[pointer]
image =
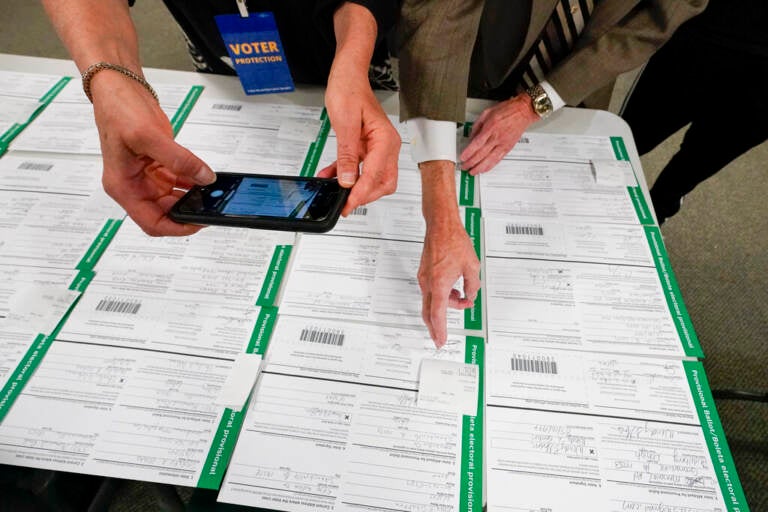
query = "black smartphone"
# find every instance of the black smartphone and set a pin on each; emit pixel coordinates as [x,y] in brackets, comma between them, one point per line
[264,201]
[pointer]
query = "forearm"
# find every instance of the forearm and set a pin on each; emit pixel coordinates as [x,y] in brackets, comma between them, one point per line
[448,253]
[96,30]
[436,38]
[355,30]
[438,188]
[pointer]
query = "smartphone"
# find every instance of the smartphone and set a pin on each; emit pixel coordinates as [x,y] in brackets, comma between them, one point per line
[264,201]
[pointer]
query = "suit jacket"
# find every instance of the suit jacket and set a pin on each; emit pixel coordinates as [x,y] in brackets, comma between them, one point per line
[436,39]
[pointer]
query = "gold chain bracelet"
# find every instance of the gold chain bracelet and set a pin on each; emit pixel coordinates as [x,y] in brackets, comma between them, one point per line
[99,66]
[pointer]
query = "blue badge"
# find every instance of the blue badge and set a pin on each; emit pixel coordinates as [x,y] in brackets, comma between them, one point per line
[254,46]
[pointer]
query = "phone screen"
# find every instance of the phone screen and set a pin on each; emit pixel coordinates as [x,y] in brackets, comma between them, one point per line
[277,197]
[269,197]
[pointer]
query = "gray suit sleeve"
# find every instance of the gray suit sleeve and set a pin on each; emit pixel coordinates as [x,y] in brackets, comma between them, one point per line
[620,44]
[435,42]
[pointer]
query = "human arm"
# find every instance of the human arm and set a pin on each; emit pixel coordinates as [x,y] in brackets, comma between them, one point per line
[498,128]
[363,131]
[448,252]
[436,38]
[618,38]
[143,167]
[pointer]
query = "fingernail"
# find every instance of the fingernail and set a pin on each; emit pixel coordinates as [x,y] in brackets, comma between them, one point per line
[205,176]
[347,178]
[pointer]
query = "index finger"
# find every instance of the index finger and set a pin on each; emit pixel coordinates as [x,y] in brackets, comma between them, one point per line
[438,314]
[329,171]
[477,126]
[151,216]
[176,158]
[476,145]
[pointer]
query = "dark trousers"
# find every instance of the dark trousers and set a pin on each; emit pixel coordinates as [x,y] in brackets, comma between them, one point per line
[721,91]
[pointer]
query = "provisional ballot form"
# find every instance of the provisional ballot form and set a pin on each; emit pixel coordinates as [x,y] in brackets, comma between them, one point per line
[127,413]
[585,306]
[195,295]
[336,424]
[250,138]
[361,279]
[574,260]
[118,412]
[22,97]
[641,434]
[594,400]
[67,125]
[133,380]
[32,303]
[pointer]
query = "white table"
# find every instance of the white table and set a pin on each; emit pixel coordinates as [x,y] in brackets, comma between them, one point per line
[575,121]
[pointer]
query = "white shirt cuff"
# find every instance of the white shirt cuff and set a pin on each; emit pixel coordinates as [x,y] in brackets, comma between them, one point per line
[432,140]
[557,101]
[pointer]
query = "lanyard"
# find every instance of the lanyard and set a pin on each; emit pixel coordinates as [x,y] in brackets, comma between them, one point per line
[243,8]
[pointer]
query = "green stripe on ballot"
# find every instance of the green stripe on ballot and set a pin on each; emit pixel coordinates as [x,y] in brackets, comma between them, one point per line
[316,148]
[473,317]
[466,189]
[619,149]
[228,430]
[185,108]
[221,449]
[471,480]
[262,331]
[722,460]
[99,245]
[274,276]
[672,294]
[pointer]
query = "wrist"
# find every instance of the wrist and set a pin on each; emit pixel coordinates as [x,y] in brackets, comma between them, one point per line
[105,68]
[109,85]
[440,207]
[522,103]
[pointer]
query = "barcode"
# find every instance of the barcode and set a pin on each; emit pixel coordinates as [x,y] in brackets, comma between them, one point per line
[360,210]
[539,364]
[32,166]
[525,229]
[225,106]
[325,337]
[119,306]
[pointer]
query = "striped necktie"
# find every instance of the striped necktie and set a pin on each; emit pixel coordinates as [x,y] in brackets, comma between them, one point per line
[556,41]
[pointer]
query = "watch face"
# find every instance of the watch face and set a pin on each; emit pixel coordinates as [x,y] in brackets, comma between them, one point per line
[542,105]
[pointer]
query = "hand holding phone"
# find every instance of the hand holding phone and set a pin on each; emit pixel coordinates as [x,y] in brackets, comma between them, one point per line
[263,201]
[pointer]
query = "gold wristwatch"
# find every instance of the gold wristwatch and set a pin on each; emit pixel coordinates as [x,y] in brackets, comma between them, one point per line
[540,101]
